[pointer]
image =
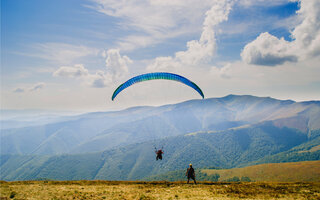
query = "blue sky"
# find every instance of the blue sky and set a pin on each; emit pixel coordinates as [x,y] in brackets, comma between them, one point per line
[71,55]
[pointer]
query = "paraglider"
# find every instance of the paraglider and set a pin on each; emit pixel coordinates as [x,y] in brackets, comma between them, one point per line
[154,76]
[159,153]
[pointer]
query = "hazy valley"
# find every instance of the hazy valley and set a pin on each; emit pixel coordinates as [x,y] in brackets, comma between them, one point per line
[227,132]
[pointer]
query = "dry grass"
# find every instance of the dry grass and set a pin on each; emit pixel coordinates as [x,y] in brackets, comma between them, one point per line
[156,190]
[274,172]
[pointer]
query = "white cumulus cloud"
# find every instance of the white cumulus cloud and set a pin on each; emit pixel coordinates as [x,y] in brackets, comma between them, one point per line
[116,68]
[75,71]
[268,50]
[153,21]
[99,80]
[116,64]
[198,51]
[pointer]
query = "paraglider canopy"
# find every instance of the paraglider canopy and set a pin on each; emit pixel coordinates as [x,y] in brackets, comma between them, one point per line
[154,76]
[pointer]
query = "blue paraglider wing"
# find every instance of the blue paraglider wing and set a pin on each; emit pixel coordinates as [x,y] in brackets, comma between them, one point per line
[154,76]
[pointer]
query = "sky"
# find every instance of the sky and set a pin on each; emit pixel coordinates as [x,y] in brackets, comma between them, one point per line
[71,55]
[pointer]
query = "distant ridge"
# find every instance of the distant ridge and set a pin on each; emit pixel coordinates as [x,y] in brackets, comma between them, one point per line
[236,131]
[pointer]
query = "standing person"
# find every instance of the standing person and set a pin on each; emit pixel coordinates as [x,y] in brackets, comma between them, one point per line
[191,174]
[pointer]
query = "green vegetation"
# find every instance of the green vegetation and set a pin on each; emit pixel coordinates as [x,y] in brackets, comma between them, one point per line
[299,153]
[262,143]
[277,172]
[179,175]
[237,179]
[233,131]
[205,177]
[233,179]
[245,179]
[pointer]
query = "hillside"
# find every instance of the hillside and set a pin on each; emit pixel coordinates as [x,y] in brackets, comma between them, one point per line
[306,151]
[228,132]
[262,143]
[93,132]
[273,172]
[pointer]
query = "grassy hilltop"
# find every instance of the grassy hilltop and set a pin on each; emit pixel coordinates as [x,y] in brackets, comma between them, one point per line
[297,180]
[156,190]
[277,172]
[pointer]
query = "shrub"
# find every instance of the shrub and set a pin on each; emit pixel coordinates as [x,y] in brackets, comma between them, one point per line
[233,179]
[12,194]
[245,179]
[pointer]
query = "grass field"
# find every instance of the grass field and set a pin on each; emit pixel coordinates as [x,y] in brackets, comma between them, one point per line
[274,172]
[156,190]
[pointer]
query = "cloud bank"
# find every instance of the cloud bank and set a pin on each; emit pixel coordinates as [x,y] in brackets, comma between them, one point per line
[198,51]
[61,52]
[268,50]
[116,67]
[76,71]
[153,21]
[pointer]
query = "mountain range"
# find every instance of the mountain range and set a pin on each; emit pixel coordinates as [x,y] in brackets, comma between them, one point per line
[227,132]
